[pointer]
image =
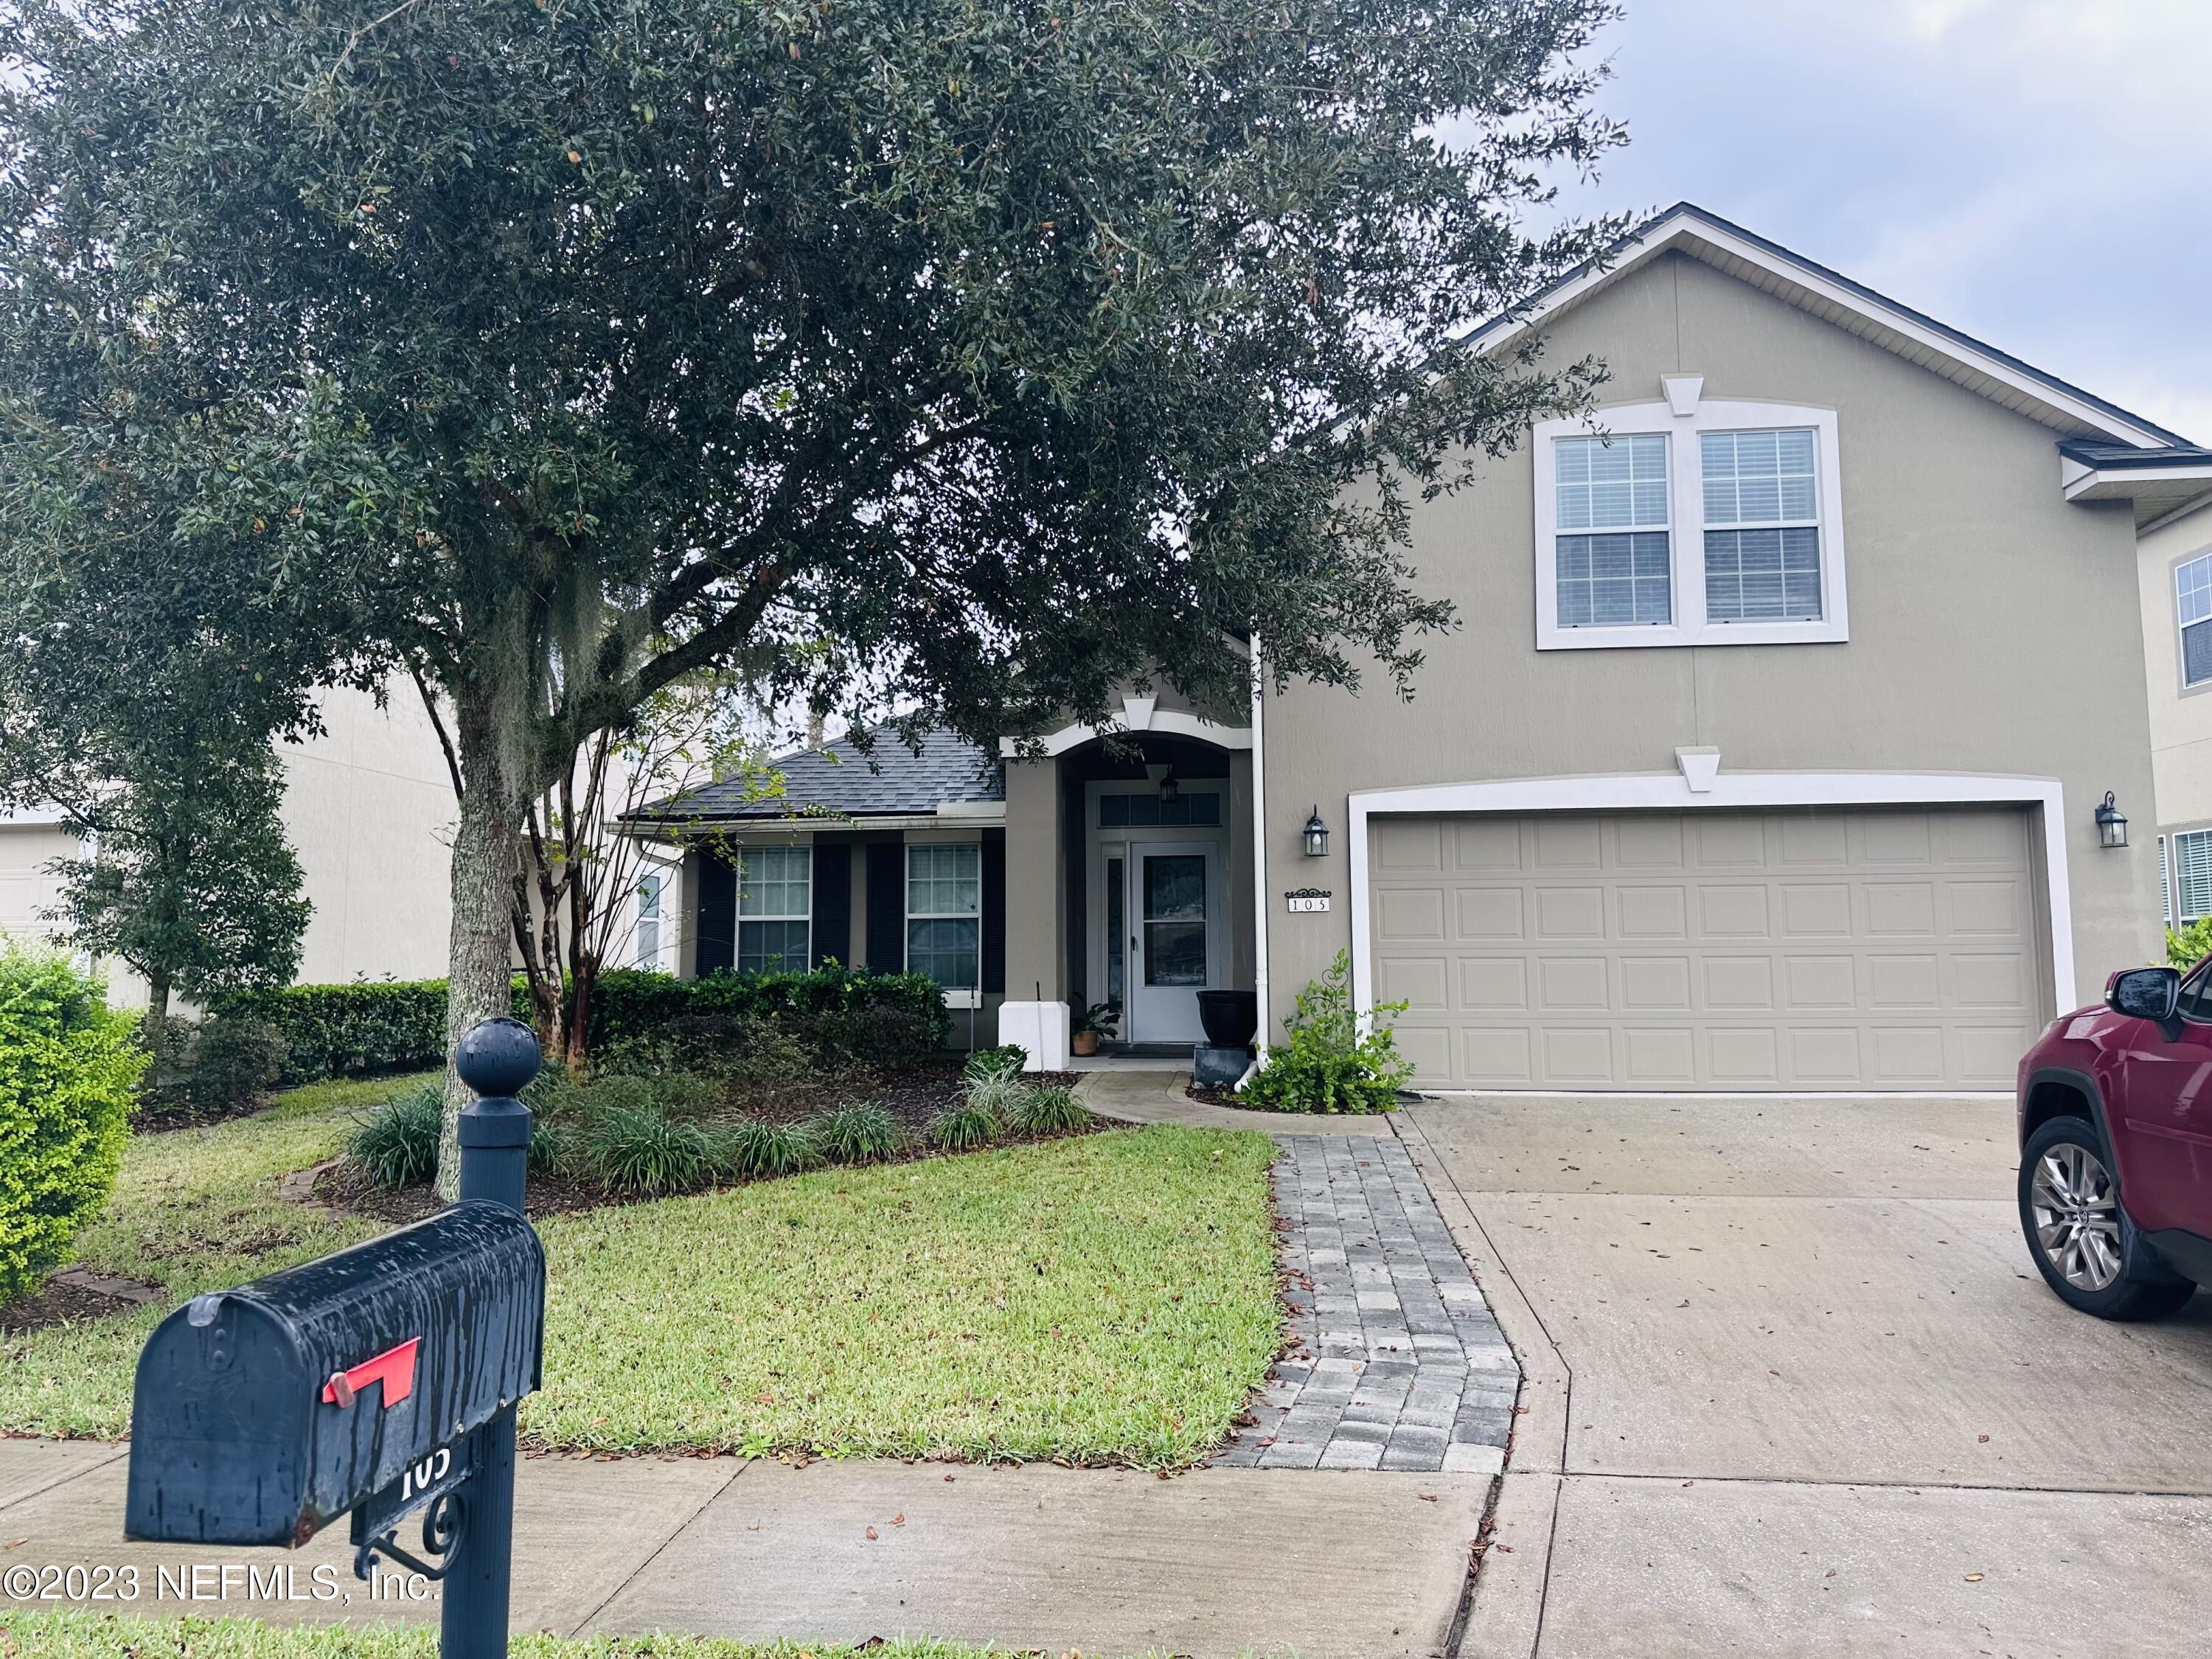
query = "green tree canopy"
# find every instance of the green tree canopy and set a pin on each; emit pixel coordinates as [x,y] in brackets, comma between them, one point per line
[555,348]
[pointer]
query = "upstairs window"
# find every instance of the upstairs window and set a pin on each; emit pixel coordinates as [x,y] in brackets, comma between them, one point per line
[2192,598]
[2190,879]
[1613,566]
[775,909]
[944,914]
[1771,574]
[1693,521]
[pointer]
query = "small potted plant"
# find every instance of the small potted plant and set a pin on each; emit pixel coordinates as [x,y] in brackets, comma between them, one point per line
[1100,1019]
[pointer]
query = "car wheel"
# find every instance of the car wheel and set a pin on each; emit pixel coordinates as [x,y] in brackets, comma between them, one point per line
[2087,1251]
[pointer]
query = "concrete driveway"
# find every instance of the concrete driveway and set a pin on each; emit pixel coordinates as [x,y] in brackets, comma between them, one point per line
[1794,1388]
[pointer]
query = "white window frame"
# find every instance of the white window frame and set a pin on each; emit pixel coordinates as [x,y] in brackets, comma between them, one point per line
[1681,419]
[2175,863]
[2183,623]
[738,944]
[956,996]
[651,892]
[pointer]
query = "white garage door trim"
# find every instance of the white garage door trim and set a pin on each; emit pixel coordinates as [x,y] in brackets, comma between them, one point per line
[1671,791]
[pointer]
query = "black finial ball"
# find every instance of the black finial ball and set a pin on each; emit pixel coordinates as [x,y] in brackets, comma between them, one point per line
[497,1057]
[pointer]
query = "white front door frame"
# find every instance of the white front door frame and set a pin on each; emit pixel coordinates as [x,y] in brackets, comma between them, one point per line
[1130,842]
[1672,790]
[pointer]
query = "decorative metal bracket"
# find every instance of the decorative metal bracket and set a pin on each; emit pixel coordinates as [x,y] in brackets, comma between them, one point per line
[441,1531]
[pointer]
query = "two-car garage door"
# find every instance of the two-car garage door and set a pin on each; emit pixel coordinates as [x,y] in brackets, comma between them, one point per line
[1813,949]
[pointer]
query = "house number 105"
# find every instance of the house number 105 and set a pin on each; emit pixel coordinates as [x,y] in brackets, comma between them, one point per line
[1307,901]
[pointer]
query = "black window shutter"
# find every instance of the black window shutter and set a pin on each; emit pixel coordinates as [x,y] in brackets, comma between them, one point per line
[718,914]
[833,902]
[886,926]
[994,910]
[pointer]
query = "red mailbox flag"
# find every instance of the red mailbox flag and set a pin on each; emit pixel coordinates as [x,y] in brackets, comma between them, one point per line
[394,1368]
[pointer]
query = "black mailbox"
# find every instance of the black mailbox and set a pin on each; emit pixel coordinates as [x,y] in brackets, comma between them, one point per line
[264,1412]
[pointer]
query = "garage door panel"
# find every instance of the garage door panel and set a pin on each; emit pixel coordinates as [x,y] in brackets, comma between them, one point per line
[1794,949]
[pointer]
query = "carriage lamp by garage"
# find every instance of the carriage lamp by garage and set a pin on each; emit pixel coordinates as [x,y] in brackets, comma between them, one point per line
[1169,789]
[1316,834]
[2112,823]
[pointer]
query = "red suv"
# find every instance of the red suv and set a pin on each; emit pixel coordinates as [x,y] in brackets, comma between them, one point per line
[2115,1146]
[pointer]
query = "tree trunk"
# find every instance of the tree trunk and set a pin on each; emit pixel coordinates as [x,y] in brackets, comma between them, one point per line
[486,844]
[156,1025]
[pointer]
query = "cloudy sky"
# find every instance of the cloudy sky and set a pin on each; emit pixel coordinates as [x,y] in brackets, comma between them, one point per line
[2037,172]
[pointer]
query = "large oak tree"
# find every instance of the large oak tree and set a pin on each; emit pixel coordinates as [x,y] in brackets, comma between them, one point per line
[552,349]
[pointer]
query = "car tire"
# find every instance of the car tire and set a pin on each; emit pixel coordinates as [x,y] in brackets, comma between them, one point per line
[2093,1258]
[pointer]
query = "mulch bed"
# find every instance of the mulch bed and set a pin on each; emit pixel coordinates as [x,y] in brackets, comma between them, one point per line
[151,1120]
[56,1304]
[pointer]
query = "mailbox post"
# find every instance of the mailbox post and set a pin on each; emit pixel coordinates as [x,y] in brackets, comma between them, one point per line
[497,1059]
[379,1382]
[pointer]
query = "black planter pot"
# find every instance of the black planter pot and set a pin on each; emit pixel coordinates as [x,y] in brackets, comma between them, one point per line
[1231,1018]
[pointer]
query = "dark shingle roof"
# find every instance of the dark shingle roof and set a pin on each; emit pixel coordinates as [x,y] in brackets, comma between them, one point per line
[893,781]
[2095,453]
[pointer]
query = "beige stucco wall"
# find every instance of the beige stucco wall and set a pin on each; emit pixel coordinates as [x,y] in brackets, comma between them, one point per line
[1993,627]
[369,810]
[2181,720]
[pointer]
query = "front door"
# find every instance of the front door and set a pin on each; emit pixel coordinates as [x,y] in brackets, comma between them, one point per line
[1172,939]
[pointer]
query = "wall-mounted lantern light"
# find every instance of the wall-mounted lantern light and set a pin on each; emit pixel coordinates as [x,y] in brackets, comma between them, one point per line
[1316,834]
[2112,823]
[1169,789]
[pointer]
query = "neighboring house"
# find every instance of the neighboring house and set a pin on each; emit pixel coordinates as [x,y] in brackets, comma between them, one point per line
[369,811]
[1765,756]
[2174,560]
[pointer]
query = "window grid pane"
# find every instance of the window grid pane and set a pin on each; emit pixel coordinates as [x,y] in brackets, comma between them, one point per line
[945,881]
[2193,876]
[1759,477]
[1763,575]
[1115,811]
[766,947]
[776,882]
[1614,582]
[1606,484]
[2192,589]
[944,948]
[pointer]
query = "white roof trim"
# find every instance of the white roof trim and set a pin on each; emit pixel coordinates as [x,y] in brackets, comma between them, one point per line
[1849,307]
[1162,722]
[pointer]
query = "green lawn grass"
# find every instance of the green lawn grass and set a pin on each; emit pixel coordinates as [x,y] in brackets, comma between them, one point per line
[75,1635]
[193,1210]
[1106,1297]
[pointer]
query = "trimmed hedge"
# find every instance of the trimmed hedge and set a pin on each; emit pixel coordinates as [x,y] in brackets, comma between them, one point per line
[392,1025]
[368,1027]
[67,1065]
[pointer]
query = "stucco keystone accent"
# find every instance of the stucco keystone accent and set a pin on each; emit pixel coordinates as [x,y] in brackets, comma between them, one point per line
[1699,768]
[1136,713]
[1683,391]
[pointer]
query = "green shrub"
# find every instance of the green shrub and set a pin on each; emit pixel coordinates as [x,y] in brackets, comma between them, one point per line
[642,1151]
[987,1065]
[856,1134]
[397,1143]
[552,1147]
[885,1037]
[68,1064]
[686,1094]
[228,1060]
[957,1128]
[635,1002]
[1328,1065]
[1047,1111]
[2190,946]
[771,1149]
[351,1030]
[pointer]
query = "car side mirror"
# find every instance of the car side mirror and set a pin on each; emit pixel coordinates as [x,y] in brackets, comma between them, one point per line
[2145,994]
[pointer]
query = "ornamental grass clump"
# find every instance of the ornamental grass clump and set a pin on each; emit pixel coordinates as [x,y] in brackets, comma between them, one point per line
[642,1151]
[866,1133]
[961,1128]
[1045,1111]
[397,1143]
[771,1149]
[68,1064]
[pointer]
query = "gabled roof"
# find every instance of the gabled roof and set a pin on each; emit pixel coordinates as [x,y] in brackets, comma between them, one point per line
[838,781]
[1853,306]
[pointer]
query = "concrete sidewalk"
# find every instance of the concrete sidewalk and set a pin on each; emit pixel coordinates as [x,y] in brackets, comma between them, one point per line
[1217,1561]
[1159,1096]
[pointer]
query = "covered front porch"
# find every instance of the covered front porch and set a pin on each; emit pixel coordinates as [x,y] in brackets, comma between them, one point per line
[1129,883]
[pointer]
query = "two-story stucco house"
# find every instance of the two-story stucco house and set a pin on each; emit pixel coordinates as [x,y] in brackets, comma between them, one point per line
[2174,562]
[1767,755]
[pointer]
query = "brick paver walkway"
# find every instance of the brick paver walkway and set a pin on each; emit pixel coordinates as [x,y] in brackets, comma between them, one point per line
[1398,1364]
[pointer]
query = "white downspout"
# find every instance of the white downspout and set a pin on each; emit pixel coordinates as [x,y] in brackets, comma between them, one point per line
[1259,854]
